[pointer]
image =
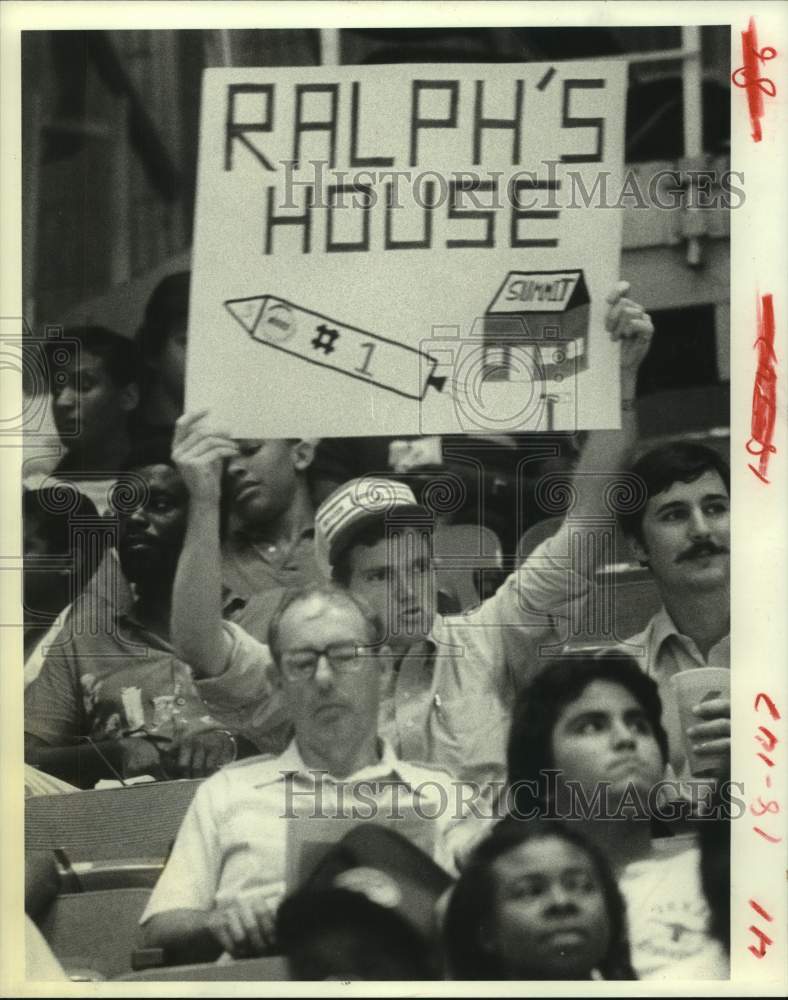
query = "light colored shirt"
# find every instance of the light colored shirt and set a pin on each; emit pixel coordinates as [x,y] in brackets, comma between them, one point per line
[255,576]
[249,567]
[35,660]
[41,964]
[233,839]
[712,962]
[120,678]
[40,783]
[662,652]
[107,585]
[667,913]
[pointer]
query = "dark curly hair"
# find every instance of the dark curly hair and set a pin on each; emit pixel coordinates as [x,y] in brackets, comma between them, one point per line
[472,904]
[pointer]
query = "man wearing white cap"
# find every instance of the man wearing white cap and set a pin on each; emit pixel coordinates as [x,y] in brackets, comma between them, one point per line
[448,687]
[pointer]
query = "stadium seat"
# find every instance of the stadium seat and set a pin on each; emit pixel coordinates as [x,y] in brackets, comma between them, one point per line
[263,970]
[543,530]
[139,821]
[676,413]
[634,601]
[463,554]
[111,837]
[95,932]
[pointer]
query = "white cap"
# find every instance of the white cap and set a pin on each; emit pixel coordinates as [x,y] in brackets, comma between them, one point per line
[354,505]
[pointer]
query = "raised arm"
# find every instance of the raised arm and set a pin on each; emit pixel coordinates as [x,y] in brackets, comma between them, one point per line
[196,626]
[605,451]
[535,602]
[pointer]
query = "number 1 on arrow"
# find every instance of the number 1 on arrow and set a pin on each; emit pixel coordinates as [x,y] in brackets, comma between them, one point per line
[370,347]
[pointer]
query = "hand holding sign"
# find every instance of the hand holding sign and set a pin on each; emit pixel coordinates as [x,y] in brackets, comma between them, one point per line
[628,323]
[199,451]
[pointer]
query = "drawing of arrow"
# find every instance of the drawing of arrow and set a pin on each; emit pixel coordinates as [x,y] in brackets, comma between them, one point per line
[320,340]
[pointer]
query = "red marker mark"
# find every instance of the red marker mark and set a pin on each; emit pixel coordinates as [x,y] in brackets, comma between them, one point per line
[762,833]
[766,738]
[772,806]
[763,942]
[769,704]
[760,910]
[764,394]
[746,76]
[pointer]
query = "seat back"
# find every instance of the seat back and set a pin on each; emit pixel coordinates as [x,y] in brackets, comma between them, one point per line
[462,553]
[689,410]
[95,931]
[139,821]
[542,530]
[635,599]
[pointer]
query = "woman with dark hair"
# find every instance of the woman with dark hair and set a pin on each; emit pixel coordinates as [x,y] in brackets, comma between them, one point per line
[587,743]
[161,340]
[537,901]
[531,754]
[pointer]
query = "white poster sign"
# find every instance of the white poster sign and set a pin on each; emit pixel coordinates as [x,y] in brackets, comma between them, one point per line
[407,249]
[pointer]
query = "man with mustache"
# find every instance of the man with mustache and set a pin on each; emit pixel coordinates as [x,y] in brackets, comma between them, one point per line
[683,535]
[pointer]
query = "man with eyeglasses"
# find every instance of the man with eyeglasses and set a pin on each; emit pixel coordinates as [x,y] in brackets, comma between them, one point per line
[450,680]
[226,874]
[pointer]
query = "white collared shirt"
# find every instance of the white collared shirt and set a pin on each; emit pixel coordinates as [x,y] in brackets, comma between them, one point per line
[233,839]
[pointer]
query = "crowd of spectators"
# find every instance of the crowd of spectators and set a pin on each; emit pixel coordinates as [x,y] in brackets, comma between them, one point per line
[264,614]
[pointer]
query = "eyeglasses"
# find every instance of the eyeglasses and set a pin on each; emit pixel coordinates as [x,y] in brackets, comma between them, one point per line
[302,664]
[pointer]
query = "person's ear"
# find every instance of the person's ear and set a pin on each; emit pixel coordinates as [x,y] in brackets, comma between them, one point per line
[129,397]
[303,453]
